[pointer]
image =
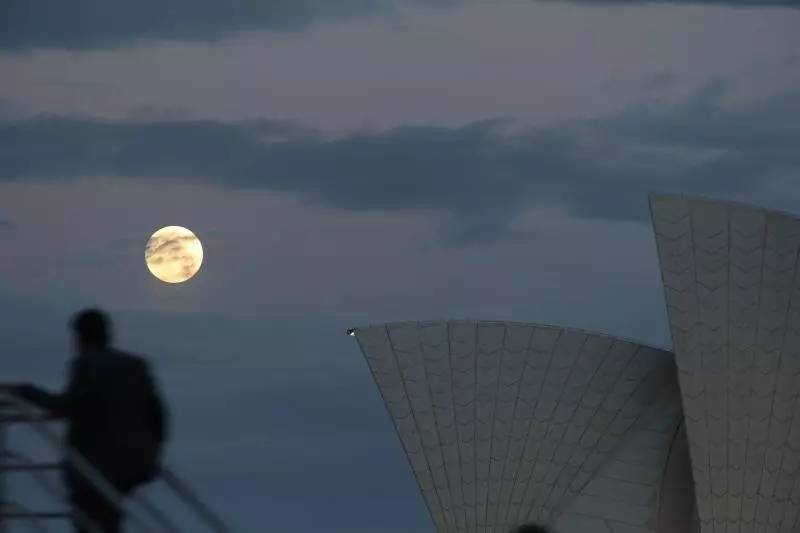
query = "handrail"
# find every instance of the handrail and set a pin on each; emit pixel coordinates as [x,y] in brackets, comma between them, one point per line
[32,415]
[37,524]
[85,469]
[182,490]
[54,490]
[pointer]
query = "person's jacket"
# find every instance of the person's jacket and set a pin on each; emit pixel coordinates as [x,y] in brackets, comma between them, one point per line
[115,417]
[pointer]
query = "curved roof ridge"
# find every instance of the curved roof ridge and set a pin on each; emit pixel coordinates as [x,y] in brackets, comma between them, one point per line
[544,325]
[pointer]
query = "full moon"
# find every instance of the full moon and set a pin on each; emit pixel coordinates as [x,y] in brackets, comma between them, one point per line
[173,254]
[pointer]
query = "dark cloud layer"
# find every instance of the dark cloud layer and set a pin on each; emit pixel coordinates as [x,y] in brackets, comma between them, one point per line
[83,24]
[99,23]
[482,174]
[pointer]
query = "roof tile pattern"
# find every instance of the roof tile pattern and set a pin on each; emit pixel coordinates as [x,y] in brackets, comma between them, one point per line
[730,275]
[504,422]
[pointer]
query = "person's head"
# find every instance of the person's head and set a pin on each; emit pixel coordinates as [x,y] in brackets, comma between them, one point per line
[91,331]
[531,528]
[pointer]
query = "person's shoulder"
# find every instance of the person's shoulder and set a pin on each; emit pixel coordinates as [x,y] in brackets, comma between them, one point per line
[131,360]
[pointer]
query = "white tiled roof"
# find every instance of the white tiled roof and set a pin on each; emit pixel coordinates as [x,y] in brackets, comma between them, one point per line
[731,284]
[505,423]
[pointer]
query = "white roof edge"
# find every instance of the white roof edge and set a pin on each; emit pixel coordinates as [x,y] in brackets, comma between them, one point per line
[654,196]
[355,329]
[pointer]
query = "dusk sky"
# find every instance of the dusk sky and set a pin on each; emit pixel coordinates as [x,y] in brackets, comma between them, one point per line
[349,162]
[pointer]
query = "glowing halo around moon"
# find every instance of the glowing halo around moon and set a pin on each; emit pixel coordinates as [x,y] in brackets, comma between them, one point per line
[173,254]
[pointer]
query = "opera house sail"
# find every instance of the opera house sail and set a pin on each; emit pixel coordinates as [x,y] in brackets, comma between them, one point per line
[505,423]
[731,284]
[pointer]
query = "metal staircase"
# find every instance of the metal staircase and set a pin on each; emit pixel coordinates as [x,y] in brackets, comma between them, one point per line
[140,513]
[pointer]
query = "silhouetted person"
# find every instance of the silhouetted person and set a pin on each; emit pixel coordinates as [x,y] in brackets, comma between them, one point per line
[115,419]
[531,528]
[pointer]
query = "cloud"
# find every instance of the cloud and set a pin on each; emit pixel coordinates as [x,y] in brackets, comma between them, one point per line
[5,223]
[90,24]
[484,175]
[9,111]
[84,24]
[661,80]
